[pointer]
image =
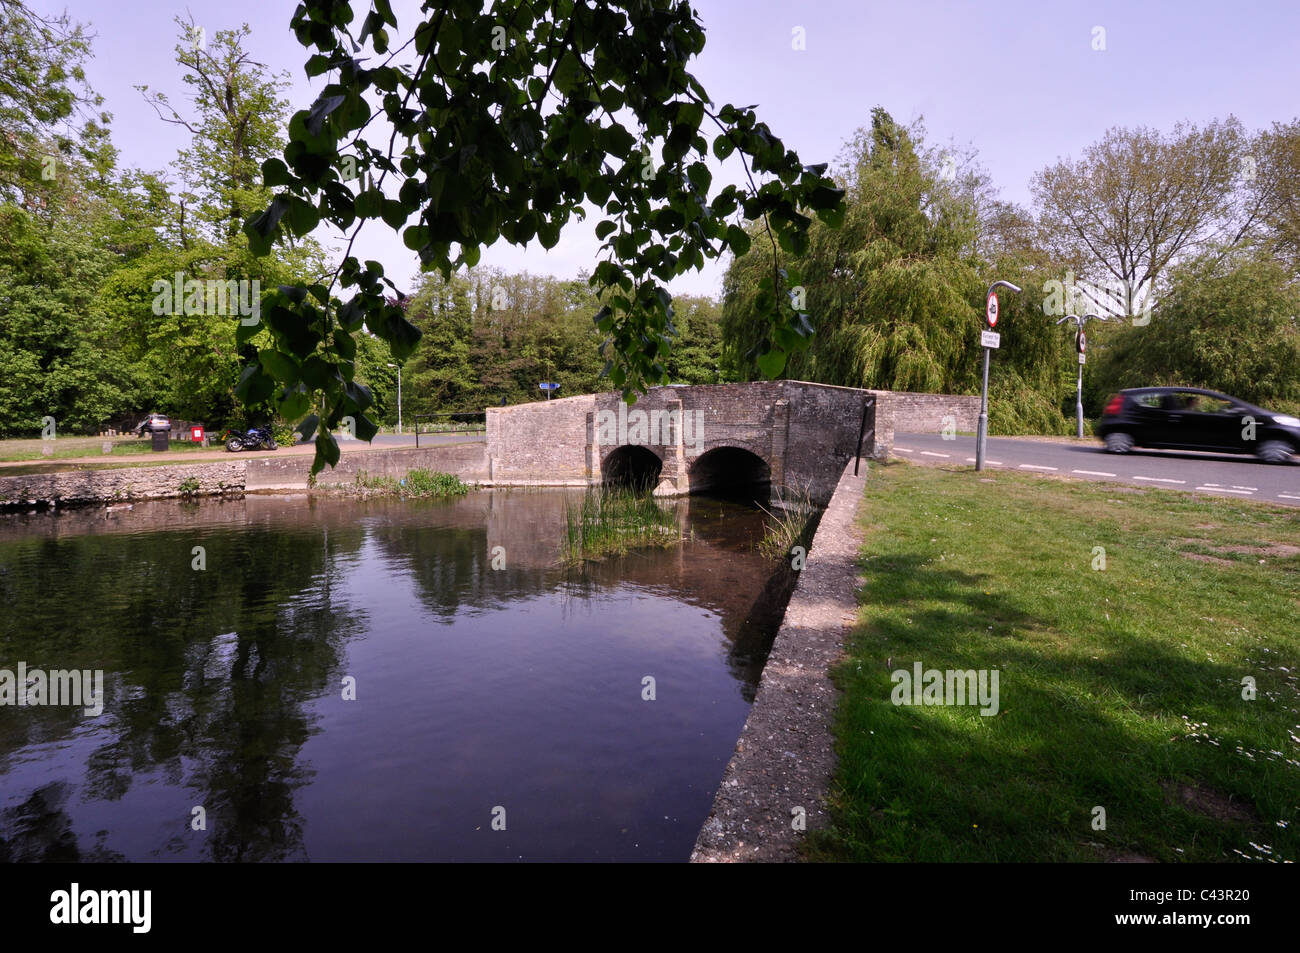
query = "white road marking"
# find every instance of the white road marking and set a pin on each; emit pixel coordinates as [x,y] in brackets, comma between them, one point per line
[1158,480]
[930,453]
[1030,466]
[1284,496]
[1235,487]
[903,450]
[1093,472]
[1224,489]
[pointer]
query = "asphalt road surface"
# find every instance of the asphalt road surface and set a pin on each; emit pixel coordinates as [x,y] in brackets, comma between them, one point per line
[1210,473]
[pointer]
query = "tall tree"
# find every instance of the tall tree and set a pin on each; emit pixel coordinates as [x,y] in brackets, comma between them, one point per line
[1274,171]
[238,115]
[1138,201]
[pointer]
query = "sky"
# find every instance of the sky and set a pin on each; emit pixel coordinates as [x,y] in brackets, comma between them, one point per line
[1022,83]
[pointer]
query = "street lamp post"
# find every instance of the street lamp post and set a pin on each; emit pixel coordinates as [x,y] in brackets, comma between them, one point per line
[399,397]
[982,434]
[1078,389]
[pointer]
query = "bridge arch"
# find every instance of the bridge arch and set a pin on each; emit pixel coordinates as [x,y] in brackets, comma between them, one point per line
[729,468]
[632,467]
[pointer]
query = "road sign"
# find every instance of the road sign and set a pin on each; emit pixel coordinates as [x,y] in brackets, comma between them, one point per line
[992,311]
[990,338]
[1080,342]
[548,385]
[1083,358]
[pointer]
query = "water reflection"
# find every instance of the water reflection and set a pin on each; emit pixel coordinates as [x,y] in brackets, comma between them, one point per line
[476,688]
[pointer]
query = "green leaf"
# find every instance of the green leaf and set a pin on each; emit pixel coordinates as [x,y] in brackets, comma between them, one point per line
[295,404]
[283,369]
[700,177]
[320,111]
[738,240]
[327,452]
[364,427]
[302,216]
[308,426]
[275,172]
[772,363]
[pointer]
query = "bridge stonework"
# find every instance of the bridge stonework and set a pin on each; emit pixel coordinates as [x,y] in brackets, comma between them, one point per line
[802,433]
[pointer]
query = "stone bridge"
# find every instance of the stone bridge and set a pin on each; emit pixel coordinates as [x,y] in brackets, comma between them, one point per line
[687,439]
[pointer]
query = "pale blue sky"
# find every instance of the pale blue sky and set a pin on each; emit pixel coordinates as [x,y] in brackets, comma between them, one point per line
[1019,81]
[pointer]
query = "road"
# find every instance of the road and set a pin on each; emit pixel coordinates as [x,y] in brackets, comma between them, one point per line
[1214,474]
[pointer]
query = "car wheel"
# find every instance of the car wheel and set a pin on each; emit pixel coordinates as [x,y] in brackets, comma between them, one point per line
[1119,442]
[234,445]
[1274,451]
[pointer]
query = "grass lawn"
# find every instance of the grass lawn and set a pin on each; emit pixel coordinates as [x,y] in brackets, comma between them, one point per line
[66,447]
[1118,688]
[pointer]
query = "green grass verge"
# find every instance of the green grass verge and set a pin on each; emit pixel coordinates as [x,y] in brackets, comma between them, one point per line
[1119,688]
[67,447]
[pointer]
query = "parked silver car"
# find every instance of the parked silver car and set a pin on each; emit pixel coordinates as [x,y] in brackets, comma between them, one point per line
[154,423]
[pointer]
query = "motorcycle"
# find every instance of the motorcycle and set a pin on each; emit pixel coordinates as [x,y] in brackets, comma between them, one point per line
[237,440]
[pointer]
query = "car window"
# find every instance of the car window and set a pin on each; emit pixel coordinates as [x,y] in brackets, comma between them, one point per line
[1150,401]
[1205,404]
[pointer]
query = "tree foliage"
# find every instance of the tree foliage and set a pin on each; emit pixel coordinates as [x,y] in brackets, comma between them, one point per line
[897,290]
[490,337]
[512,120]
[1229,323]
[1139,200]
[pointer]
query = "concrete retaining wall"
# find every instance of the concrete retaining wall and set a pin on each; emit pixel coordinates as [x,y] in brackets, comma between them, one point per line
[776,785]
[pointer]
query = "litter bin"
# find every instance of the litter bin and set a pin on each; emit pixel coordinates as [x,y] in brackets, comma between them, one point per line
[160,439]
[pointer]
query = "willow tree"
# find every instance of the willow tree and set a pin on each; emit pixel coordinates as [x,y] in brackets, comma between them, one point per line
[891,289]
[505,121]
[897,292]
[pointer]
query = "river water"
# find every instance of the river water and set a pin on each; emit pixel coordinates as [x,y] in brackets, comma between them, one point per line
[498,714]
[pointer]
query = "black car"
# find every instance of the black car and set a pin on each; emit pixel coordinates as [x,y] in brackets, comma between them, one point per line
[1189,418]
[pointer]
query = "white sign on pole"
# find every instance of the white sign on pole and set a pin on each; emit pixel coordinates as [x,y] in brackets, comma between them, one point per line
[1083,358]
[990,338]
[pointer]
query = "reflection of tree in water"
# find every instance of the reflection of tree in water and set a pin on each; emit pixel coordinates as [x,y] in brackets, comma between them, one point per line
[450,559]
[40,831]
[216,668]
